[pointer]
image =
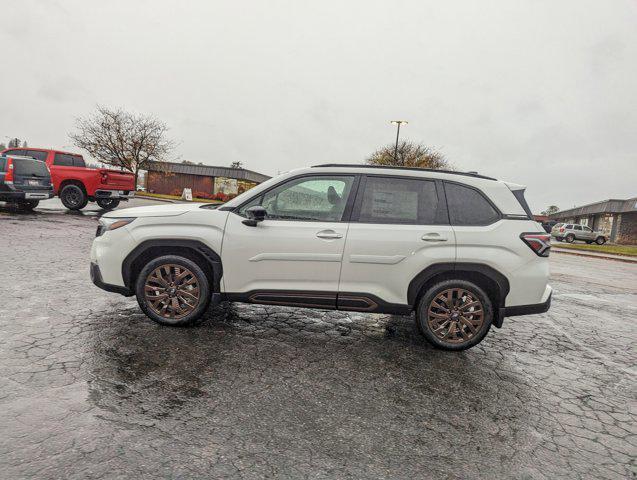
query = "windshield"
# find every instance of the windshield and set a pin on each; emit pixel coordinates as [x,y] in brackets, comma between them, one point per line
[30,168]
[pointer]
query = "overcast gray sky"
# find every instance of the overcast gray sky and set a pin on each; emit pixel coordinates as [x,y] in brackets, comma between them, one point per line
[542,93]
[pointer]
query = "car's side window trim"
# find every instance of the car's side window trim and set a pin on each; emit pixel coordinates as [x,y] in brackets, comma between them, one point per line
[348,205]
[500,215]
[442,216]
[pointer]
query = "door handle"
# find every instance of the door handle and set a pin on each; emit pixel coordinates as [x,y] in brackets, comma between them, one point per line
[433,237]
[329,234]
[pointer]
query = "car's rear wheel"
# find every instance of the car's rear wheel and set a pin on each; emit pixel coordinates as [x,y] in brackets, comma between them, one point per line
[569,238]
[73,197]
[108,203]
[600,240]
[454,314]
[173,290]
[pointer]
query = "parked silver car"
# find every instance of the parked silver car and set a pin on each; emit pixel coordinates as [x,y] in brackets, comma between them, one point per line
[570,232]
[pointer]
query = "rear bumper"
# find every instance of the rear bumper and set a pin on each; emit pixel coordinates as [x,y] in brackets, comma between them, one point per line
[22,195]
[119,194]
[527,309]
[96,278]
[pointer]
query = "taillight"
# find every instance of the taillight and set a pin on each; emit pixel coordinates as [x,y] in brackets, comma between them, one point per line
[561,229]
[8,178]
[540,243]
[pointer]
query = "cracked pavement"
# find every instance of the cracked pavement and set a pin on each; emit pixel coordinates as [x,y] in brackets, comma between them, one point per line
[91,388]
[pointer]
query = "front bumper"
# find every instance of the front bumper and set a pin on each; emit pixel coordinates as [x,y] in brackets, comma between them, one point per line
[119,194]
[96,278]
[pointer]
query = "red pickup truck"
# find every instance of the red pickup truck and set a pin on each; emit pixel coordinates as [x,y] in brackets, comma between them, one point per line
[76,184]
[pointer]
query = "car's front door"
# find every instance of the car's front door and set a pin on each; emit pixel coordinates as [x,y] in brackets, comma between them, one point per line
[294,255]
[399,227]
[587,233]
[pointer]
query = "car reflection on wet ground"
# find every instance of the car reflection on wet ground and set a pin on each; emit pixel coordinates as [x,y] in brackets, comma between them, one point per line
[90,388]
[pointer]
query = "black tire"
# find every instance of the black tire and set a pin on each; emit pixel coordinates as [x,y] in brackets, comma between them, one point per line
[108,203]
[600,240]
[195,311]
[73,197]
[570,238]
[474,337]
[29,204]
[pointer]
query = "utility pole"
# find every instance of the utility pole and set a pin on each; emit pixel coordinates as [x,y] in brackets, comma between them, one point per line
[398,123]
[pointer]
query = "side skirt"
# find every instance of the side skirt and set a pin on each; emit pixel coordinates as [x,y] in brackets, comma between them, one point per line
[348,301]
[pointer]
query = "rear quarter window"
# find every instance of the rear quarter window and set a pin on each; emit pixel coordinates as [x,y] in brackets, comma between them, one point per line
[3,163]
[468,206]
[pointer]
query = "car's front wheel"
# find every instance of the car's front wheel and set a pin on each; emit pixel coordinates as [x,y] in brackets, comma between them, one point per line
[173,290]
[600,240]
[454,314]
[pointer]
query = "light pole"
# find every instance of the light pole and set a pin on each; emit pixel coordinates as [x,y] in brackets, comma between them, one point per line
[398,123]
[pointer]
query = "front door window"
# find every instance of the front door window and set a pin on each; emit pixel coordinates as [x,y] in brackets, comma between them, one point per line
[317,198]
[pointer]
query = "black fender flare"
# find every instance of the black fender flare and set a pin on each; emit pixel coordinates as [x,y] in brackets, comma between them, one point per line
[501,282]
[210,256]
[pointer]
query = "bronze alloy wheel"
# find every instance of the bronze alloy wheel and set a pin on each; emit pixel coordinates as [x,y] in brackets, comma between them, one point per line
[455,315]
[172,291]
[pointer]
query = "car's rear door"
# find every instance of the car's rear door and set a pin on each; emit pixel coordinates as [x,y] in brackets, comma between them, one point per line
[587,233]
[399,227]
[294,255]
[32,177]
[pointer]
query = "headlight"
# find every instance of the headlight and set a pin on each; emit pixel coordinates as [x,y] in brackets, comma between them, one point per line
[106,224]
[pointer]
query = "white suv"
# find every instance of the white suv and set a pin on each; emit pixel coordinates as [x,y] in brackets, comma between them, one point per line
[460,249]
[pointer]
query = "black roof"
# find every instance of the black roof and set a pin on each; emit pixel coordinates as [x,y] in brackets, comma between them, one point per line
[358,165]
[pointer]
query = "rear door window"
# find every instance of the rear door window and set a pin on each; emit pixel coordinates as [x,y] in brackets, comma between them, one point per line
[407,201]
[468,206]
[63,160]
[30,168]
[578,227]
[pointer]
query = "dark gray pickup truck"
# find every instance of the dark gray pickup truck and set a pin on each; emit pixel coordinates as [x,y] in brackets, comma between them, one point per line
[24,181]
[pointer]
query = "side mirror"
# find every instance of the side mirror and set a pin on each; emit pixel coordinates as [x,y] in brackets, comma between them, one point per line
[255,215]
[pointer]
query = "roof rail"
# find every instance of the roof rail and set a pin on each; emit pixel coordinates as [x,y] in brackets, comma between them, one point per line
[357,165]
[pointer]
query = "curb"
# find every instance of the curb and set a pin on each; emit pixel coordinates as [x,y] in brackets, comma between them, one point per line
[590,255]
[167,200]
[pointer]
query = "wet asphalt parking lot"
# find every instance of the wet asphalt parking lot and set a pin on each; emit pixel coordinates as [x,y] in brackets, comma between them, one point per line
[90,388]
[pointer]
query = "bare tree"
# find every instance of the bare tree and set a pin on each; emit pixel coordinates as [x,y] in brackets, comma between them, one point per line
[409,154]
[122,139]
[2,147]
[14,143]
[236,165]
